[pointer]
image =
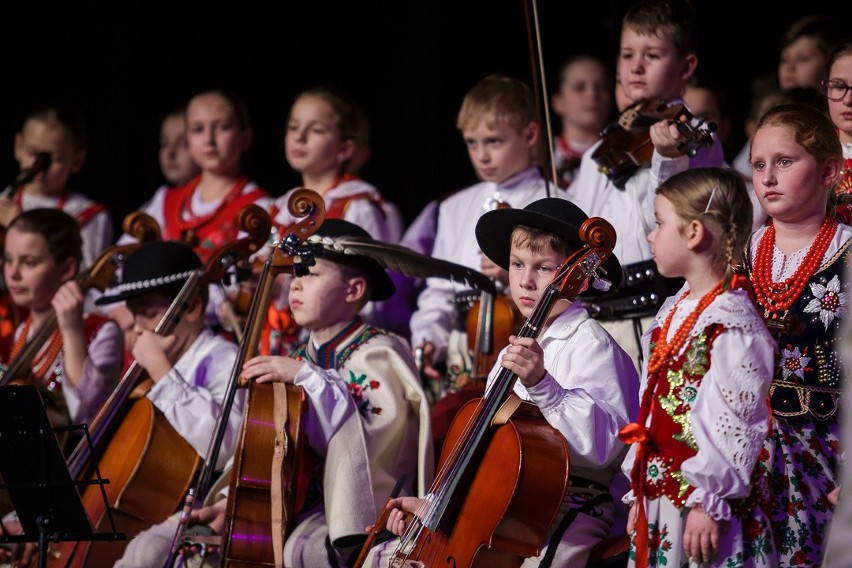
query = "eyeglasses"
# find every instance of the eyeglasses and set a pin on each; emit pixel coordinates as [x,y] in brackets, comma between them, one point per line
[836,90]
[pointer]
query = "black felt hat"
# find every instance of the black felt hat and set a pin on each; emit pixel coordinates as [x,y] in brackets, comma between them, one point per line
[383,286]
[552,215]
[158,265]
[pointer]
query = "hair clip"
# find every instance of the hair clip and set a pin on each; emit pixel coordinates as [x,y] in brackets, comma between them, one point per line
[709,201]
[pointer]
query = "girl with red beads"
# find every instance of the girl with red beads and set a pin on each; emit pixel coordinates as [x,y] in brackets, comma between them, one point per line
[796,265]
[702,416]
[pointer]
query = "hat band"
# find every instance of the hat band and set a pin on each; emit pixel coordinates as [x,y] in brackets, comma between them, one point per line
[152,282]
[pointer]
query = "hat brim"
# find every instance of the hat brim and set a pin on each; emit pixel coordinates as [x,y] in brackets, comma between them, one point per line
[494,235]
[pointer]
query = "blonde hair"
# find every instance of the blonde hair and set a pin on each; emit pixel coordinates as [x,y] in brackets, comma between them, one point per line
[718,198]
[536,241]
[813,131]
[497,98]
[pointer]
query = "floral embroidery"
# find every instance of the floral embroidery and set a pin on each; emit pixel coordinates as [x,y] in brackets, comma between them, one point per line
[829,302]
[656,471]
[793,362]
[358,386]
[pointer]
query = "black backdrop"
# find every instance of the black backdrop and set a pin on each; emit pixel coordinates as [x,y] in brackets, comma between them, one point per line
[408,63]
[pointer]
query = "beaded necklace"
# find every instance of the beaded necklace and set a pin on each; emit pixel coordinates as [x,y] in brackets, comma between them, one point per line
[664,348]
[776,297]
[46,355]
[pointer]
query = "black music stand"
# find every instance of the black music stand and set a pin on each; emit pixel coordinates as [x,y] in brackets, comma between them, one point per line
[36,476]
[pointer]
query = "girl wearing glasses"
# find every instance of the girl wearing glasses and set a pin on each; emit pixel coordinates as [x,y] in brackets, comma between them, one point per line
[837,91]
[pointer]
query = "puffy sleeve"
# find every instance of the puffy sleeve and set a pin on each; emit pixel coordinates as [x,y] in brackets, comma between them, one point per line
[730,419]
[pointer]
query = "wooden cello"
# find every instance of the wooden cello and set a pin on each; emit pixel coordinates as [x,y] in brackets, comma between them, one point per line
[149,466]
[255,505]
[504,470]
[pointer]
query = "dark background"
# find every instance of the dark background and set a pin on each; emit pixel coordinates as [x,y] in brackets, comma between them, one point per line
[408,63]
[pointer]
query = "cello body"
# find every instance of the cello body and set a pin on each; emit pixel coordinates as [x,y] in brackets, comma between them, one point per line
[141,491]
[507,510]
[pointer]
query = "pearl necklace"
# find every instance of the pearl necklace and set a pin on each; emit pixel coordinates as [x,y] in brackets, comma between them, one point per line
[776,297]
[663,348]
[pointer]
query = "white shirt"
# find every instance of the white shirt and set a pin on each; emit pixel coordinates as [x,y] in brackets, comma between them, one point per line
[455,241]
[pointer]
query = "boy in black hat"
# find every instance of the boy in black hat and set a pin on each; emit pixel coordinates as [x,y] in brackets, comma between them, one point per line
[367,416]
[190,366]
[585,385]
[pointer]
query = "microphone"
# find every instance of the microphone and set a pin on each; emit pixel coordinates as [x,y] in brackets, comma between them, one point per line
[41,164]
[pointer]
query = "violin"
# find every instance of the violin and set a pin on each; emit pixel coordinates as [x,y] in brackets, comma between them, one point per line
[627,145]
[503,465]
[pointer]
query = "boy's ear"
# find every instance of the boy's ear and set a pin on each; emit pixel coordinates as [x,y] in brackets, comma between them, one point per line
[195,310]
[530,134]
[690,63]
[356,289]
[556,103]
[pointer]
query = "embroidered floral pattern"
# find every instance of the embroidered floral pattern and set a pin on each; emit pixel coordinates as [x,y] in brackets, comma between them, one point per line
[358,386]
[829,302]
[794,363]
[656,472]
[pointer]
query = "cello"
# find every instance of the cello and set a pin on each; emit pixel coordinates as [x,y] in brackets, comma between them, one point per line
[476,514]
[261,504]
[149,466]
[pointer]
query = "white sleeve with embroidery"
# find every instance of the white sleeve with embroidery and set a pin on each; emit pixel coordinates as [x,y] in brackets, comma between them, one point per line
[729,419]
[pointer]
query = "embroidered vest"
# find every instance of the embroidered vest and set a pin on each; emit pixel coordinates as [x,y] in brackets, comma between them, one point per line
[671,441]
[207,232]
[808,376]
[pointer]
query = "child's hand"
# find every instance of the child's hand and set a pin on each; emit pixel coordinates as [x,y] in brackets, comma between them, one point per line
[9,209]
[666,138]
[700,536]
[269,369]
[427,366]
[834,495]
[526,359]
[151,350]
[211,515]
[402,508]
[493,271]
[631,518]
[67,302]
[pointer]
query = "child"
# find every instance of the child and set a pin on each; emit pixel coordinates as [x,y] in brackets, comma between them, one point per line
[176,164]
[657,56]
[327,141]
[497,121]
[587,404]
[709,364]
[584,104]
[796,267]
[58,131]
[363,392]
[203,213]
[837,88]
[805,48]
[81,361]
